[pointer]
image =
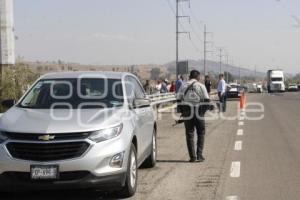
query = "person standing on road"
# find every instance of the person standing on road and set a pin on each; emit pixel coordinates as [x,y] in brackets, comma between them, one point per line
[163,88]
[172,88]
[147,87]
[178,83]
[208,84]
[222,93]
[193,93]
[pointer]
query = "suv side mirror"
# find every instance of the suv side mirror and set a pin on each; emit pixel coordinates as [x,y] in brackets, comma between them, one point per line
[140,103]
[8,103]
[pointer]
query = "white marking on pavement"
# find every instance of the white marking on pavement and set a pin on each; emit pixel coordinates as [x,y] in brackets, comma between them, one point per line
[232,198]
[238,145]
[241,123]
[242,118]
[235,171]
[240,132]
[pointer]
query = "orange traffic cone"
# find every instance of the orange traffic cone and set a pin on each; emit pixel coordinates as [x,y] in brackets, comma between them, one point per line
[242,100]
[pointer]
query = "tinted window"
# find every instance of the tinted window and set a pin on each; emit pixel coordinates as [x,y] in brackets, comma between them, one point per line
[276,79]
[74,93]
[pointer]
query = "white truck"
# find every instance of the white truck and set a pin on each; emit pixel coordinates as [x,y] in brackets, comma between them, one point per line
[275,80]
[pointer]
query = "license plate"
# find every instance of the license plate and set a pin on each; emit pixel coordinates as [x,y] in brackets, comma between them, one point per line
[43,172]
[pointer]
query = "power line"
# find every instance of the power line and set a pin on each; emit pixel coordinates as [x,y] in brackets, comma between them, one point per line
[178,32]
[200,23]
[205,49]
[194,32]
[193,28]
[174,12]
[196,48]
[180,25]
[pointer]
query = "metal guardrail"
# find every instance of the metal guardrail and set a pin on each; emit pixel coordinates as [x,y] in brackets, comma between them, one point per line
[161,98]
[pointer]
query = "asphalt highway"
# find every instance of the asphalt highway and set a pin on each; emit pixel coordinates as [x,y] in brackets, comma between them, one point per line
[245,158]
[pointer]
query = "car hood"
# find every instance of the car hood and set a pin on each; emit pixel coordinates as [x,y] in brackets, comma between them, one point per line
[59,120]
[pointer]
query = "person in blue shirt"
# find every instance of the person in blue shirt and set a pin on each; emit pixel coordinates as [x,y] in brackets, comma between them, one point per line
[222,93]
[178,83]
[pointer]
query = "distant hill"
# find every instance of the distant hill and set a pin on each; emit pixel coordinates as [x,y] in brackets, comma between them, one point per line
[167,70]
[214,68]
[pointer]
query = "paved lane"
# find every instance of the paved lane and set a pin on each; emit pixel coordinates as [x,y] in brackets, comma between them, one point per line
[174,177]
[250,160]
[270,158]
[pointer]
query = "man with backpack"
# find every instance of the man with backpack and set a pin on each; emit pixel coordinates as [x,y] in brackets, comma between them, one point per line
[193,100]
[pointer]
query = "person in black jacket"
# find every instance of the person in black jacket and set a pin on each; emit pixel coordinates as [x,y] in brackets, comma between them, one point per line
[208,84]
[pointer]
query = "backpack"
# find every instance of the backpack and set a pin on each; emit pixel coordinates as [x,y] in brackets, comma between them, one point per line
[185,108]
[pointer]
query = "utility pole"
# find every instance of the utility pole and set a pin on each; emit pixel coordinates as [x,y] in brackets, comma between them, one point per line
[205,49]
[7,37]
[255,73]
[177,37]
[179,32]
[227,63]
[220,59]
[240,74]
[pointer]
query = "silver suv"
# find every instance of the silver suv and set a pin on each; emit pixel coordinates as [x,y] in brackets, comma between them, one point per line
[78,129]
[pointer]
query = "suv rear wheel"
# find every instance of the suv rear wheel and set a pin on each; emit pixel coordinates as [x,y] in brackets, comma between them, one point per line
[151,160]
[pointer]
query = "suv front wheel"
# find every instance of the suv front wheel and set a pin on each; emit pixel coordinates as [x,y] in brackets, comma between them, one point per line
[132,174]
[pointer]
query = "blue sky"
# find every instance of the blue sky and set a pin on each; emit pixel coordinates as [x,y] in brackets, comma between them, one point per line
[256,32]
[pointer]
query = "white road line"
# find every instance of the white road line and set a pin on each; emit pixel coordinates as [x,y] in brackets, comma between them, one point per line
[242,118]
[238,145]
[235,170]
[241,123]
[232,198]
[240,132]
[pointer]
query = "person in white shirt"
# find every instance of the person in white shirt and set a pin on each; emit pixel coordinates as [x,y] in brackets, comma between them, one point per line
[222,93]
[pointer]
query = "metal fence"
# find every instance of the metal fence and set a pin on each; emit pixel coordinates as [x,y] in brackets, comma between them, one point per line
[161,98]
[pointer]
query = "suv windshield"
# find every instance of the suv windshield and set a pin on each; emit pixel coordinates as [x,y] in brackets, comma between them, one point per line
[74,93]
[276,79]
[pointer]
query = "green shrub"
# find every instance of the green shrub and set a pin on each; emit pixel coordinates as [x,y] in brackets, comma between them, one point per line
[15,81]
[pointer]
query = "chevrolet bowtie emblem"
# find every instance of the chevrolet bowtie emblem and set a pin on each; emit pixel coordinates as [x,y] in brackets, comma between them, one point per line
[46,137]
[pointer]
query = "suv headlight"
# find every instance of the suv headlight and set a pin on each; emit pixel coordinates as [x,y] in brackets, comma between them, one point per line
[106,134]
[2,137]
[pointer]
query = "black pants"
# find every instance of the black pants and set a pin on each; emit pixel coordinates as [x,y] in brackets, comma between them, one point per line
[222,104]
[190,126]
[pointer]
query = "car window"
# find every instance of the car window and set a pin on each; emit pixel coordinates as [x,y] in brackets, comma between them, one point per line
[133,89]
[88,92]
[138,90]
